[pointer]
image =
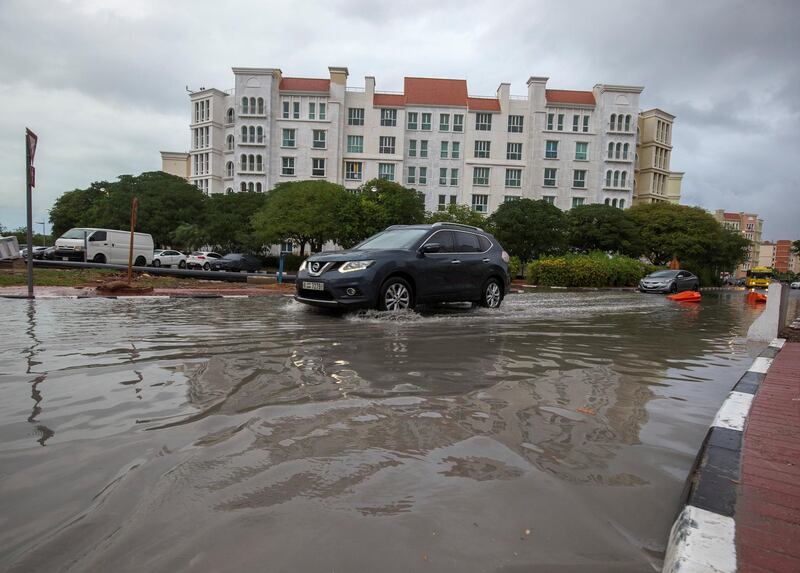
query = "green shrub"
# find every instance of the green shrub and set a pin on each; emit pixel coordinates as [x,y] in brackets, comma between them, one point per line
[514,266]
[592,270]
[290,262]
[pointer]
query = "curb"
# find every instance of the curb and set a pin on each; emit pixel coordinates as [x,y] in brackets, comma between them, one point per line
[141,296]
[702,539]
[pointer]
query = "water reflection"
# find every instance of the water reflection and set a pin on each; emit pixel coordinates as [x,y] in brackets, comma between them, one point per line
[561,412]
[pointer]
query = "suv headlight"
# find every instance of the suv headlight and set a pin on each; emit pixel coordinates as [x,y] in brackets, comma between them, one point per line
[351,266]
[303,265]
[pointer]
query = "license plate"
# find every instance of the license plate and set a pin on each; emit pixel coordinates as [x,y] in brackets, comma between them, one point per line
[313,286]
[65,258]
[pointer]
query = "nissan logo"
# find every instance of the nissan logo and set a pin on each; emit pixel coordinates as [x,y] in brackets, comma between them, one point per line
[315,267]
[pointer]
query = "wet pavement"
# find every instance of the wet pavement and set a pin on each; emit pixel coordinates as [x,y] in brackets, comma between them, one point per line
[257,434]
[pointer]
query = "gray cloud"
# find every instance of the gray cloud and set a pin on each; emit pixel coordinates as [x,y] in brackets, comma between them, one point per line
[102,81]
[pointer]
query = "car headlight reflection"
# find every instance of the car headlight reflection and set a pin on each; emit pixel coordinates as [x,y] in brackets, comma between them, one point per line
[352,266]
[303,265]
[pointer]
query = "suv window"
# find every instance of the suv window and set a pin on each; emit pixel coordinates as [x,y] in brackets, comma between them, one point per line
[445,239]
[467,242]
[485,243]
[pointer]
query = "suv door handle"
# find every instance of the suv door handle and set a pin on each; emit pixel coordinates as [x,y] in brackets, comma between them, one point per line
[455,262]
[487,260]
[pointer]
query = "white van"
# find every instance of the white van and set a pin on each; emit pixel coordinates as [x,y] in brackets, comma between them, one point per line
[104,246]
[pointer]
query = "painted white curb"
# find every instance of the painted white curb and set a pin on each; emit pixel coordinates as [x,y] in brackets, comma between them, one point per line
[760,365]
[701,542]
[733,412]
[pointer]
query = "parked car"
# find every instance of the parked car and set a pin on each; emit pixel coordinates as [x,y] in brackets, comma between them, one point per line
[795,284]
[169,259]
[235,262]
[49,253]
[104,246]
[201,260]
[406,265]
[38,252]
[669,281]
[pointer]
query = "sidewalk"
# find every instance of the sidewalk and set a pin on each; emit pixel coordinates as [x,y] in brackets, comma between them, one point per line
[768,497]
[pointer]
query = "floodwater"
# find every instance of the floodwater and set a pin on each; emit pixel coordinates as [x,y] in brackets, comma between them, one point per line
[259,435]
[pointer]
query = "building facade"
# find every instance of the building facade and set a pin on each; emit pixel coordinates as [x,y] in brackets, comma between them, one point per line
[655,183]
[566,147]
[750,227]
[779,256]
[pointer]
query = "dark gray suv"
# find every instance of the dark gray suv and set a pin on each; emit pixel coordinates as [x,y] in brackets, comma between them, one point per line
[406,265]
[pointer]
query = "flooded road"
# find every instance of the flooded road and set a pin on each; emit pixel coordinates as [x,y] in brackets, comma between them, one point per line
[257,434]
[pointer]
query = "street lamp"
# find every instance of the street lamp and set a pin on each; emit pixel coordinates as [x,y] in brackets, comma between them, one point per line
[44,233]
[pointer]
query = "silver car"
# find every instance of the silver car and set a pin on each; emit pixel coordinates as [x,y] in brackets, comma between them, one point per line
[669,281]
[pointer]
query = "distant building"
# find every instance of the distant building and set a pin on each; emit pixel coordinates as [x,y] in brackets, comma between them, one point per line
[750,227]
[176,163]
[779,256]
[655,183]
[562,146]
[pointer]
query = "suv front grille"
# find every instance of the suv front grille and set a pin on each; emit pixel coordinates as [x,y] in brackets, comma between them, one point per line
[314,294]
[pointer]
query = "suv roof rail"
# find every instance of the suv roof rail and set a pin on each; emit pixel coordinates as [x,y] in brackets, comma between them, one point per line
[459,225]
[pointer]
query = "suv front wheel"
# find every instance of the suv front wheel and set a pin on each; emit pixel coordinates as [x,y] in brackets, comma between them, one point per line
[491,294]
[396,294]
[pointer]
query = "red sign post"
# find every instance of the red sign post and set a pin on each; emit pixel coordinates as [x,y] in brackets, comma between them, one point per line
[31,140]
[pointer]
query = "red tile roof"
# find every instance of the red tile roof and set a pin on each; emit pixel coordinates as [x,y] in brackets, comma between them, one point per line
[304,85]
[484,104]
[392,100]
[732,216]
[570,96]
[435,91]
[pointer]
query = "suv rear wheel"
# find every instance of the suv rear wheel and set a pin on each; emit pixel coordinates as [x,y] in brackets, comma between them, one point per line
[395,294]
[491,294]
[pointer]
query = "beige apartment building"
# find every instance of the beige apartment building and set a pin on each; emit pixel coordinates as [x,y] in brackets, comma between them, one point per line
[655,183]
[750,227]
[779,256]
[567,147]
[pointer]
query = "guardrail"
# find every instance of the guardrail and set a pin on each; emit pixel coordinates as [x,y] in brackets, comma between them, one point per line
[162,271]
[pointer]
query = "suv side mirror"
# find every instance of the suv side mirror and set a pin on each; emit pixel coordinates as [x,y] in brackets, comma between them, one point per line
[430,248]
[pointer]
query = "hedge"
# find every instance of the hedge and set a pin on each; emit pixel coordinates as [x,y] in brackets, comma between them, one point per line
[592,270]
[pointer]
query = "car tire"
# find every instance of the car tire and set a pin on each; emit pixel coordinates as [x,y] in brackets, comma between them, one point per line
[140,261]
[156,263]
[491,294]
[395,294]
[99,258]
[182,265]
[206,267]
[673,288]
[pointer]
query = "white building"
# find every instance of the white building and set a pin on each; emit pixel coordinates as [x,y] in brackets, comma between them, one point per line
[566,147]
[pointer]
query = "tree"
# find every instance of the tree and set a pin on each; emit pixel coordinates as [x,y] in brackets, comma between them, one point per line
[74,208]
[227,222]
[397,205]
[302,211]
[604,228]
[188,237]
[459,214]
[529,229]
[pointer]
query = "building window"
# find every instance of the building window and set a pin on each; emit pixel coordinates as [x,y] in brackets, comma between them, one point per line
[515,123]
[287,165]
[581,150]
[456,150]
[510,198]
[386,145]
[258,188]
[245,106]
[443,176]
[608,178]
[251,187]
[296,109]
[442,205]
[355,144]
[388,117]
[412,147]
[243,187]
[480,203]
[480,175]
[514,151]
[229,169]
[619,122]
[423,148]
[412,118]
[454,177]
[286,104]
[411,178]
[622,179]
[576,122]
[386,171]
[513,177]
[355,116]
[627,123]
[616,178]
[318,167]
[323,109]
[549,199]
[618,152]
[444,150]
[483,121]
[577,201]
[611,150]
[261,106]
[483,149]
[622,203]
[550,118]
[444,122]
[312,109]
[353,170]
[230,115]
[560,122]
[423,175]
[579,178]
[426,122]
[230,141]
[288,139]
[551,149]
[319,139]
[549,177]
[259,134]
[625,153]
[458,122]
[613,122]
[229,190]
[585,124]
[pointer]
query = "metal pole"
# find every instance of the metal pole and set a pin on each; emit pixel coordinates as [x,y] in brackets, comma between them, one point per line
[280,268]
[134,205]
[29,199]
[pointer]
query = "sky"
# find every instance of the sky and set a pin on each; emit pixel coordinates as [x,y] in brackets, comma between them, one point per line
[103,82]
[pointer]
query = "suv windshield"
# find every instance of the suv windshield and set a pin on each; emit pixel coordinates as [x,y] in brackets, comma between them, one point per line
[75,233]
[394,239]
